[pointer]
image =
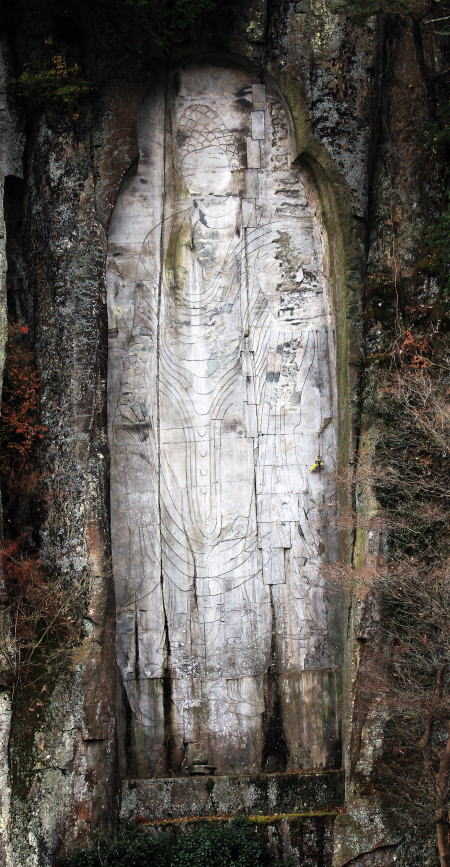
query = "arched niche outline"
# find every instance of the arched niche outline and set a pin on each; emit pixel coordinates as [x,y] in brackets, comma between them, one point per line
[222,395]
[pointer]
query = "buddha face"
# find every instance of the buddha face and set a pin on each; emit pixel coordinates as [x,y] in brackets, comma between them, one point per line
[208,153]
[210,172]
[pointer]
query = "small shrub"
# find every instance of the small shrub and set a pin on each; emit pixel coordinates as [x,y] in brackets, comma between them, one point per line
[210,844]
[59,83]
[40,615]
[20,432]
[19,424]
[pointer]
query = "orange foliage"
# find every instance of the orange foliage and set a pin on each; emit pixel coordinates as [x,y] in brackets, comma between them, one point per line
[413,349]
[20,428]
[39,609]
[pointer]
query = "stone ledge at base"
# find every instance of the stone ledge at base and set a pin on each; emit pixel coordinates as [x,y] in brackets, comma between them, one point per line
[266,795]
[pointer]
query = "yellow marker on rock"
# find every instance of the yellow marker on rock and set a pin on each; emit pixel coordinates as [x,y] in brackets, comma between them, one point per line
[317,466]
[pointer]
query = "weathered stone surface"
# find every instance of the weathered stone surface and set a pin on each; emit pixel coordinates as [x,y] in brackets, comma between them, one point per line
[63,761]
[221,396]
[401,190]
[301,842]
[333,62]
[264,794]
[5,787]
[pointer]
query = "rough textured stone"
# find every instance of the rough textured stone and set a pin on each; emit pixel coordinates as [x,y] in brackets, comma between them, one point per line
[65,255]
[5,788]
[264,794]
[301,842]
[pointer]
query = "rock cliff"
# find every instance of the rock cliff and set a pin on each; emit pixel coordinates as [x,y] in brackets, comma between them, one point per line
[325,106]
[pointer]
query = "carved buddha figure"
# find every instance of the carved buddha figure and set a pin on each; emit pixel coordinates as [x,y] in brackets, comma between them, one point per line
[221,395]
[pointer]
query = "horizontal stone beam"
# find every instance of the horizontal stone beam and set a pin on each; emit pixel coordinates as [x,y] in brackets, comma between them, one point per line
[247,795]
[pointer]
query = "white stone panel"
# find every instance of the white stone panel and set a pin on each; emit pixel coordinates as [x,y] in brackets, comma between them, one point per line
[258,125]
[253,154]
[259,95]
[221,396]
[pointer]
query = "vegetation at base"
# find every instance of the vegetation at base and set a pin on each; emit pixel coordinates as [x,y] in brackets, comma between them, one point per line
[210,844]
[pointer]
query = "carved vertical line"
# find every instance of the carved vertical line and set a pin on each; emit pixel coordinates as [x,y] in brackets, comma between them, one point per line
[167,677]
[250,367]
[157,351]
[136,645]
[275,752]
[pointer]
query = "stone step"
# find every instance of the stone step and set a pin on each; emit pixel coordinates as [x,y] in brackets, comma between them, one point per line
[255,795]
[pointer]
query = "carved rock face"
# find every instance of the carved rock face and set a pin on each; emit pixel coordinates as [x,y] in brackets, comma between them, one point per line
[221,397]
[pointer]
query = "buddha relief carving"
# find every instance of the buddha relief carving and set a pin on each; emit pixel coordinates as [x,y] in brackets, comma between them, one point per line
[221,397]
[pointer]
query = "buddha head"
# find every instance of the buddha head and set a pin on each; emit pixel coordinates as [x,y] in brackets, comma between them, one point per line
[208,153]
